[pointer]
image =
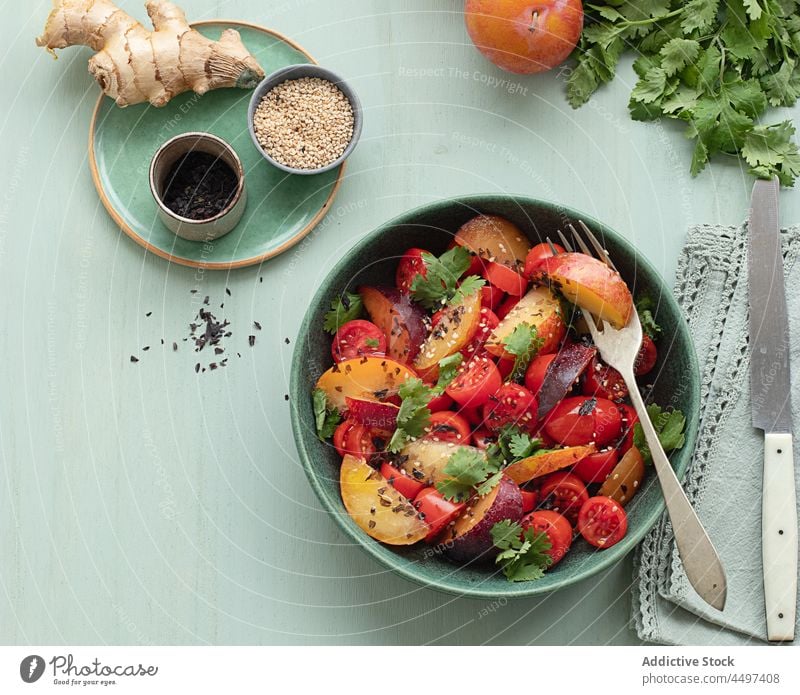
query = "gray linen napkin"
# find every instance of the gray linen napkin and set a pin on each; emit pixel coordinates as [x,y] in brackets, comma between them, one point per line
[724,479]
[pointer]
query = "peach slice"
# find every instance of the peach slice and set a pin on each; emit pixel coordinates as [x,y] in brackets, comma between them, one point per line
[364,378]
[495,239]
[453,332]
[380,510]
[400,319]
[546,462]
[625,479]
[539,308]
[589,283]
[425,459]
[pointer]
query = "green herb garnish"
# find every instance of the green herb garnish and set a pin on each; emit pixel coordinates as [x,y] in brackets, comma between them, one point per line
[644,307]
[345,308]
[413,416]
[524,554]
[326,417]
[448,370]
[372,342]
[715,65]
[669,425]
[523,342]
[439,285]
[468,472]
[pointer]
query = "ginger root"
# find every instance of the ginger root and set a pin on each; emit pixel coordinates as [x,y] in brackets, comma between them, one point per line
[133,65]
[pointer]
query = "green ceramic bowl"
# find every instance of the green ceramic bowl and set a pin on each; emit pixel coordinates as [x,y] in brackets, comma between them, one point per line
[373,260]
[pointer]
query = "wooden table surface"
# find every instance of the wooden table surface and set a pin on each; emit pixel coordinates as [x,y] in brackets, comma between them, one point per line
[146,504]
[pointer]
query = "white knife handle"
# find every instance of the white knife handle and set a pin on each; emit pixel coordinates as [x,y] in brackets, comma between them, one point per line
[779,536]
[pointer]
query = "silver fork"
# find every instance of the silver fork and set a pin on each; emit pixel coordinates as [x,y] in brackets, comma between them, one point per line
[619,348]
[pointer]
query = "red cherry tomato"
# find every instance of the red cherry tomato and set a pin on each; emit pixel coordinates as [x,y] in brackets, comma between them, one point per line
[511,405]
[483,438]
[355,439]
[646,359]
[537,253]
[491,296]
[629,419]
[507,305]
[440,402]
[436,511]
[534,376]
[602,521]
[604,382]
[474,416]
[565,493]
[578,420]
[411,265]
[405,485]
[529,500]
[475,382]
[557,528]
[488,322]
[505,278]
[596,467]
[356,339]
[476,265]
[447,426]
[505,366]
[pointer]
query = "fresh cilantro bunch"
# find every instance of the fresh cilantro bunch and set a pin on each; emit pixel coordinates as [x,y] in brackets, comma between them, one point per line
[644,307]
[326,417]
[344,308]
[523,555]
[523,342]
[414,415]
[670,426]
[715,64]
[440,284]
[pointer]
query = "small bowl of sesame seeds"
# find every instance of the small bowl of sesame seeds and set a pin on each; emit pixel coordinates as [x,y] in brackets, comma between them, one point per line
[304,119]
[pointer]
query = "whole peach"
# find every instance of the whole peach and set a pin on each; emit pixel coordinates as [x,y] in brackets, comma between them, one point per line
[525,36]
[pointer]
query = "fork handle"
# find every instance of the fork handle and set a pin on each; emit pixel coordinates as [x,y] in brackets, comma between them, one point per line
[700,559]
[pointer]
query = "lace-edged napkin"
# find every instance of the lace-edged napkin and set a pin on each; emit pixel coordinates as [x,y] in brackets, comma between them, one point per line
[724,479]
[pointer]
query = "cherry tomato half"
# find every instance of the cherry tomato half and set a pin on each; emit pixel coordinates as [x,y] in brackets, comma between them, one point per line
[447,426]
[557,528]
[483,438]
[405,485]
[565,494]
[511,405]
[436,511]
[440,402]
[356,339]
[505,366]
[578,420]
[352,438]
[647,357]
[602,521]
[475,382]
[410,265]
[534,376]
[529,500]
[537,253]
[596,467]
[604,381]
[505,278]
[629,419]
[506,306]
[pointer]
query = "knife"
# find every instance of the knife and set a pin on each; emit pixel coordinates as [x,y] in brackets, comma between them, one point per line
[770,392]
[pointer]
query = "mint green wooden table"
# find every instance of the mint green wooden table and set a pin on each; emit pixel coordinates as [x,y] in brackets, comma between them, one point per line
[144,504]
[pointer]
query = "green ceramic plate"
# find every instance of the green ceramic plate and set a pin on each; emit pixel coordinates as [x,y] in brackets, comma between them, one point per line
[373,261]
[281,208]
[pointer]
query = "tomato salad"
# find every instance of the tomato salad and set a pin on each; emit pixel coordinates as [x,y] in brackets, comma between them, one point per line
[471,409]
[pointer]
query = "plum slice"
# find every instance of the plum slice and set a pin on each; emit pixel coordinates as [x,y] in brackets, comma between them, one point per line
[377,507]
[561,375]
[402,321]
[546,462]
[470,537]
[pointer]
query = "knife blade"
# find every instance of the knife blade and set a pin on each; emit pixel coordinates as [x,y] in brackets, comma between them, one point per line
[771,406]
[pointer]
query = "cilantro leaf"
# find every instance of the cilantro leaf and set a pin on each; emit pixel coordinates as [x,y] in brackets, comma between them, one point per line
[523,342]
[524,554]
[644,307]
[325,418]
[770,151]
[466,469]
[669,425]
[448,370]
[439,285]
[677,53]
[345,308]
[512,445]
[413,416]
